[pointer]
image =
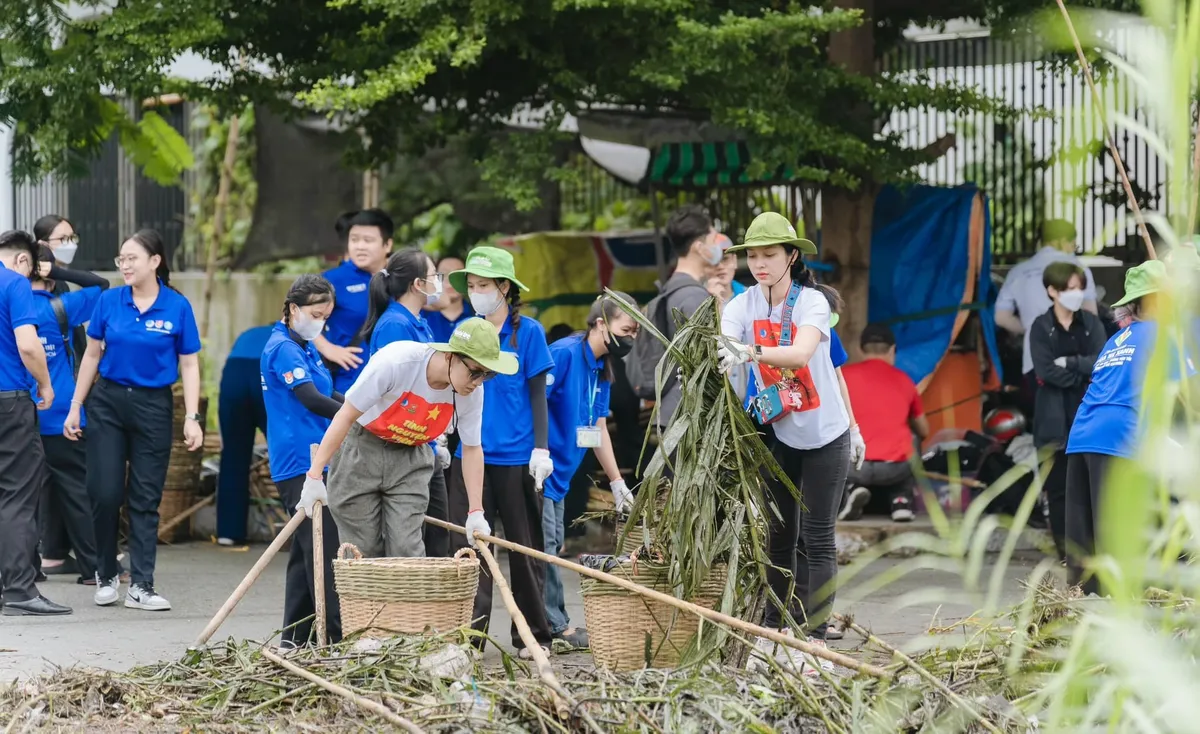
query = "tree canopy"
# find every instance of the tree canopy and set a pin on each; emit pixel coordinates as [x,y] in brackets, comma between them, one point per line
[413,74]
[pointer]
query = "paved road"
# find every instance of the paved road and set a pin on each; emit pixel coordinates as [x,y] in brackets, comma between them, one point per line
[197,577]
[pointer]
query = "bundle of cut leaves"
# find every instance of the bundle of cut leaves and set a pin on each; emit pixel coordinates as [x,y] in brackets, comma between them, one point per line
[704,494]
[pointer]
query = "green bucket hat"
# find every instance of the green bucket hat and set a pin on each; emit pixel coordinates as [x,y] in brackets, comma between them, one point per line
[1143,280]
[772,228]
[486,262]
[478,339]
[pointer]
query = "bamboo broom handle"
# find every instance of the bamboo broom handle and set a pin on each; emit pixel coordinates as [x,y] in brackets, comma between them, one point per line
[361,701]
[227,608]
[318,549]
[709,614]
[531,644]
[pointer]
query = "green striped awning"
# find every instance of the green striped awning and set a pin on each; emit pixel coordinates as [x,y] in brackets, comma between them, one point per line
[706,165]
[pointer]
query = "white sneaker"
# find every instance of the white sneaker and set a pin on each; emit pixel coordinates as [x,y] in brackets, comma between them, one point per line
[852,506]
[784,656]
[526,654]
[227,542]
[107,590]
[811,661]
[143,596]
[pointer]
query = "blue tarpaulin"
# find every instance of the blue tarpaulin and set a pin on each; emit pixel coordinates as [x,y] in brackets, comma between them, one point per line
[920,260]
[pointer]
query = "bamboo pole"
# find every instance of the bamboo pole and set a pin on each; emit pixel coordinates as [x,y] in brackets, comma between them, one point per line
[225,183]
[230,603]
[709,614]
[318,544]
[557,693]
[921,671]
[170,525]
[361,701]
[1108,137]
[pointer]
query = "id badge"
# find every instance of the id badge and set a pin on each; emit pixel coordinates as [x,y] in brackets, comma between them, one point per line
[587,437]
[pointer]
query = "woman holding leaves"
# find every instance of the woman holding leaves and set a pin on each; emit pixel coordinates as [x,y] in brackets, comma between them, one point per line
[782,328]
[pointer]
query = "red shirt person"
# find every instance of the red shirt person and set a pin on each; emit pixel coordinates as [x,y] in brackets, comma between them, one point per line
[888,408]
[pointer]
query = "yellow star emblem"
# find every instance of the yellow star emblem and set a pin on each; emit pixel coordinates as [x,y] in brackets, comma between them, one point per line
[434,413]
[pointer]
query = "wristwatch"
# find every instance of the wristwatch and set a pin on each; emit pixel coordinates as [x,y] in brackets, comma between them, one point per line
[757,352]
[192,417]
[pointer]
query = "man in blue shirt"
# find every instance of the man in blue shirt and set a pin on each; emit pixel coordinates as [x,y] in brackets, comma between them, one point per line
[21,456]
[242,413]
[368,244]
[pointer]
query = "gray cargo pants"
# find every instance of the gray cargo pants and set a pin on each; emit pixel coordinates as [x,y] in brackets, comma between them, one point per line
[378,494]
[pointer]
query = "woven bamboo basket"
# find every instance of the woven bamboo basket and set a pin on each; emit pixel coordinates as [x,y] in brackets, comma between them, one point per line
[628,631]
[641,537]
[383,597]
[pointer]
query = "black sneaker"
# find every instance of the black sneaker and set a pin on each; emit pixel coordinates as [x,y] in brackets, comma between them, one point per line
[854,503]
[902,510]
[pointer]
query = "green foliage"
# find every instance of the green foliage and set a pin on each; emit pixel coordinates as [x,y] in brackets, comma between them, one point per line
[243,193]
[1010,171]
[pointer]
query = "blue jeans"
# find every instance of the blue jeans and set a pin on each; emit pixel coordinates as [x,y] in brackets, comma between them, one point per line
[552,531]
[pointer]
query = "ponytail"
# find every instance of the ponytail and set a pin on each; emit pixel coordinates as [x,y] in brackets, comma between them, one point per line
[151,241]
[802,275]
[403,269]
[514,310]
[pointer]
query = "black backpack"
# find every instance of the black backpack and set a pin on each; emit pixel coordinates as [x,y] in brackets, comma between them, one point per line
[648,351]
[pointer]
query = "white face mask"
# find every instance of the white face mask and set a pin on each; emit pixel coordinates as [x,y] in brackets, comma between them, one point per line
[713,254]
[432,298]
[1071,300]
[66,253]
[486,304]
[306,327]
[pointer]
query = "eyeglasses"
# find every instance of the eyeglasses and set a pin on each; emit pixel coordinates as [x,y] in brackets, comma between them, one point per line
[478,375]
[70,239]
[125,260]
[435,278]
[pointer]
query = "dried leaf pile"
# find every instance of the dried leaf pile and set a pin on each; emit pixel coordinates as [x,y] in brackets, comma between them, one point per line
[978,675]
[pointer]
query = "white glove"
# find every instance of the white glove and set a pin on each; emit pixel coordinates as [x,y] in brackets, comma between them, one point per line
[313,492]
[443,453]
[732,354]
[540,466]
[622,497]
[858,447]
[1061,362]
[476,521]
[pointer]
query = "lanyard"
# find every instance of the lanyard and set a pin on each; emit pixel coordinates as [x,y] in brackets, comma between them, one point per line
[785,325]
[593,381]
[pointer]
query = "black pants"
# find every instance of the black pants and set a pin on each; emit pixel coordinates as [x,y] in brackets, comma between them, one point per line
[56,540]
[437,540]
[299,592]
[21,466]
[1086,474]
[1055,487]
[510,497]
[65,499]
[803,545]
[128,425]
[242,412]
[888,481]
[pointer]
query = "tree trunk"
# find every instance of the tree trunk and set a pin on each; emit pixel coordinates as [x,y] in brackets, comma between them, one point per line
[846,215]
[225,183]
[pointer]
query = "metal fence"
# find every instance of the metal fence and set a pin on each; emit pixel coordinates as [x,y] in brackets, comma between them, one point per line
[94,203]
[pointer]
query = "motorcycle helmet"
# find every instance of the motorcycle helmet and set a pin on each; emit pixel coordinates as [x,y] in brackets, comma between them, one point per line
[1004,424]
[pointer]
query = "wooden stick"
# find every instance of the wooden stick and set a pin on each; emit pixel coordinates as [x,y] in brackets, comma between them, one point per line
[224,184]
[709,614]
[964,481]
[318,544]
[1108,137]
[227,608]
[919,670]
[170,525]
[361,701]
[557,693]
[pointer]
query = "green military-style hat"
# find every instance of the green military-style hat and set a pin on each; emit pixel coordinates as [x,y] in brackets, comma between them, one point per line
[772,228]
[1143,280]
[478,339]
[486,262]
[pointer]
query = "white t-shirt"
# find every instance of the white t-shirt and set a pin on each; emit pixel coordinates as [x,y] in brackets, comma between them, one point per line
[822,417]
[399,406]
[1024,294]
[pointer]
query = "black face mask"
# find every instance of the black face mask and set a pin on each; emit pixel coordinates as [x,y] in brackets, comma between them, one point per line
[619,346]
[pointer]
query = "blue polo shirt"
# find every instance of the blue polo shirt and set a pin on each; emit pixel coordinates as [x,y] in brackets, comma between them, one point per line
[398,324]
[576,395]
[78,306]
[16,310]
[507,416]
[737,288]
[1109,416]
[143,349]
[291,428]
[443,327]
[251,343]
[350,306]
